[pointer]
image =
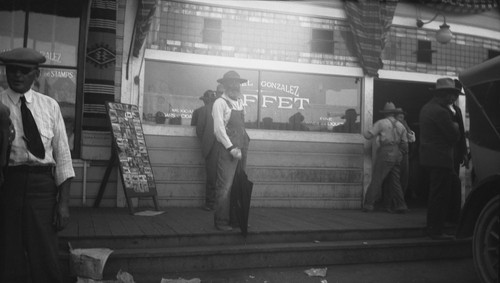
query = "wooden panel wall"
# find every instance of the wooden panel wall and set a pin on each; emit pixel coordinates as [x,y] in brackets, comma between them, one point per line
[285,173]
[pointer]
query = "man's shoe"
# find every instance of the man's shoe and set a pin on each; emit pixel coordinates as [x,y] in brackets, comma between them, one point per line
[207,208]
[368,208]
[402,210]
[441,237]
[224,228]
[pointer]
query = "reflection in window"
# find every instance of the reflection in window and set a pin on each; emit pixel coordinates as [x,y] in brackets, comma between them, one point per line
[278,101]
[53,30]
[306,102]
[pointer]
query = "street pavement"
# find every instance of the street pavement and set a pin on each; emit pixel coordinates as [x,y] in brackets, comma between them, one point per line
[442,271]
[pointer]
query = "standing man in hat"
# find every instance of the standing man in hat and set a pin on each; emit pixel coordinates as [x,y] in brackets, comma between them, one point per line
[232,143]
[205,133]
[460,158]
[438,134]
[393,141]
[34,198]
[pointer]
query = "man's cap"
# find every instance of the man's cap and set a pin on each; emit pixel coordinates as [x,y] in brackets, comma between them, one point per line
[25,57]
[208,95]
[389,107]
[231,76]
[447,85]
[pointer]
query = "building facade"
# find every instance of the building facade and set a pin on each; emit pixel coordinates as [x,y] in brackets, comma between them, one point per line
[311,66]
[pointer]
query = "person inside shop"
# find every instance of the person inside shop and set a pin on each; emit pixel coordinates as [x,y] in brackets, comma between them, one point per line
[392,137]
[460,158]
[207,97]
[439,133]
[232,143]
[405,162]
[205,133]
[296,122]
[350,125]
[35,195]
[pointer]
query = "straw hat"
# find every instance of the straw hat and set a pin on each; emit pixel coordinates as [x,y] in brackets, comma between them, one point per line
[231,76]
[389,107]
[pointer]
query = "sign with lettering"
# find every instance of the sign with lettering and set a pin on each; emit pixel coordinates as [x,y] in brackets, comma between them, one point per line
[131,150]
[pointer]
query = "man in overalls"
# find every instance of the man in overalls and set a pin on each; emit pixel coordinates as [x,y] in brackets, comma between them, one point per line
[232,143]
[393,140]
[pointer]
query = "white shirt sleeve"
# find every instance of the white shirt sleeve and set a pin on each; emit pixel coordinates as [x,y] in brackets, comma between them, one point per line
[220,115]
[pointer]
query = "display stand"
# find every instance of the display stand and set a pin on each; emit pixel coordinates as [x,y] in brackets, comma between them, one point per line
[129,152]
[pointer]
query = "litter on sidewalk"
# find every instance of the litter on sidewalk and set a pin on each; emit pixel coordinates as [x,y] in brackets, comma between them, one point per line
[320,272]
[180,280]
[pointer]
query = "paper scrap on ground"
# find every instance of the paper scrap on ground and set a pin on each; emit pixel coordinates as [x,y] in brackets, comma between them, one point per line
[180,280]
[89,263]
[124,277]
[148,213]
[320,272]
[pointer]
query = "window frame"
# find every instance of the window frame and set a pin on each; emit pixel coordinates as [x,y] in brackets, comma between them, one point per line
[254,64]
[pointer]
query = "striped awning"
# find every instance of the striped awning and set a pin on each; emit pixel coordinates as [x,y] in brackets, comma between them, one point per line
[370,21]
[461,6]
[145,13]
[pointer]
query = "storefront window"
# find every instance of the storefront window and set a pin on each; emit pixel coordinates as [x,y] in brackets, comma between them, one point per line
[56,38]
[52,28]
[273,100]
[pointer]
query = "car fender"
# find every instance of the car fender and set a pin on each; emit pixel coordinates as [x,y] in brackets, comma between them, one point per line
[475,202]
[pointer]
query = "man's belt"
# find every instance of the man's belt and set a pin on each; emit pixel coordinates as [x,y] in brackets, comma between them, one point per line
[31,169]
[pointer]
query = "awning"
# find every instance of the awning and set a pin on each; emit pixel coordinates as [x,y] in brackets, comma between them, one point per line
[145,15]
[370,21]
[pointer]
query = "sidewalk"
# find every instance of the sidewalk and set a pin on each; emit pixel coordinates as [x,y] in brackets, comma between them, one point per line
[117,222]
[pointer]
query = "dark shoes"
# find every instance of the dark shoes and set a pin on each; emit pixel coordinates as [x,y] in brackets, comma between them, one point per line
[368,208]
[225,228]
[207,208]
[398,210]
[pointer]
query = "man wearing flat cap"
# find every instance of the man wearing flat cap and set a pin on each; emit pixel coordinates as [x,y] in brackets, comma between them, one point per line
[232,143]
[438,135]
[393,139]
[35,195]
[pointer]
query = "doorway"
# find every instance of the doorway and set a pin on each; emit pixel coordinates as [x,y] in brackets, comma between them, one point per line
[411,96]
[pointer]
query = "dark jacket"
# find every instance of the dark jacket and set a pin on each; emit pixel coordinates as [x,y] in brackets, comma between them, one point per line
[438,135]
[5,138]
[461,146]
[205,129]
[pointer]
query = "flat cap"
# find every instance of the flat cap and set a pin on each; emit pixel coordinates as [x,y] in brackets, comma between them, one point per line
[22,57]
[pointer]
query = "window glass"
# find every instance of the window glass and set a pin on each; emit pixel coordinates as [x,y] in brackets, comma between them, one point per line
[308,102]
[172,91]
[59,84]
[56,37]
[278,101]
[11,29]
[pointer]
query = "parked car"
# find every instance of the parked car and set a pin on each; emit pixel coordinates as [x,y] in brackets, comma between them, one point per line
[480,214]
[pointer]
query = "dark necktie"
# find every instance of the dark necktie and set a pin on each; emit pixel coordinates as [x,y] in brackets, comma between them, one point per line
[31,134]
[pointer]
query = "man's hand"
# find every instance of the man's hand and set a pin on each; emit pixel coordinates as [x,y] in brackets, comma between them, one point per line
[236,153]
[61,214]
[465,161]
[61,218]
